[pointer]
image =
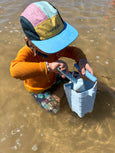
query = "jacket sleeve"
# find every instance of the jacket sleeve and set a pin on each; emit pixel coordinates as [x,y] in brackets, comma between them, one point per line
[22,67]
[73,53]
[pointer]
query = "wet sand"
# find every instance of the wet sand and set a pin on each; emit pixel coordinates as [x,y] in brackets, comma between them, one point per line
[24,126]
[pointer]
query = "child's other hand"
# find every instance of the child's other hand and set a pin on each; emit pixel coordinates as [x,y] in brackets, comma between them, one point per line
[83,64]
[61,64]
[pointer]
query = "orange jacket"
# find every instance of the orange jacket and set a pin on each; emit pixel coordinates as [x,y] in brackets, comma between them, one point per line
[33,70]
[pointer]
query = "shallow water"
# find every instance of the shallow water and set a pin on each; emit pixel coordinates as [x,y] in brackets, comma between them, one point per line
[24,126]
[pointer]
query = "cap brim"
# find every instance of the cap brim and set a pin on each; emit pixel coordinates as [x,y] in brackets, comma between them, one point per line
[58,42]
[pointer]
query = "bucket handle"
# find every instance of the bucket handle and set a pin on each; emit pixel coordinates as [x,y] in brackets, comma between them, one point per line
[71,77]
[87,74]
[68,75]
[94,85]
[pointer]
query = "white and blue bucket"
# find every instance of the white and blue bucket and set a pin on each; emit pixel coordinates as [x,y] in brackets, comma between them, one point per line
[81,93]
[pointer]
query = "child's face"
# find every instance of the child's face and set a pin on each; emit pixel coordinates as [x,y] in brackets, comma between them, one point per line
[37,49]
[30,44]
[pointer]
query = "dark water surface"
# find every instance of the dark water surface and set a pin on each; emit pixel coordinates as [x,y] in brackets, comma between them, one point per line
[24,126]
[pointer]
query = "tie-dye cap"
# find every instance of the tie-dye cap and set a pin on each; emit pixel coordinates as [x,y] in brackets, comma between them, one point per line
[43,25]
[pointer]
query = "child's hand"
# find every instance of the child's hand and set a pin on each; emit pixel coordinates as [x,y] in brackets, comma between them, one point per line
[61,64]
[83,64]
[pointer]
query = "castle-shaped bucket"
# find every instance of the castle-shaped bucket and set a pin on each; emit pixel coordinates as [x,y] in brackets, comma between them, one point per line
[81,102]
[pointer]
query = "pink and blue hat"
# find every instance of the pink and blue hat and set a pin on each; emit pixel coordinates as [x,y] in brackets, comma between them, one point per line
[43,25]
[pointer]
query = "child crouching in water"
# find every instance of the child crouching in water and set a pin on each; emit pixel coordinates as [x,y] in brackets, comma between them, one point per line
[47,39]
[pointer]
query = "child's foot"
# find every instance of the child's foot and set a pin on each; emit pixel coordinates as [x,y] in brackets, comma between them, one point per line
[48,102]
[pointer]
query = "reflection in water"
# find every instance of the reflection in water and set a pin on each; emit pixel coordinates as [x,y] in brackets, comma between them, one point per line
[24,126]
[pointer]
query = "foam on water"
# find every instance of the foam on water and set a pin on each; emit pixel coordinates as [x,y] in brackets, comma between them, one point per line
[3,139]
[97,57]
[106,62]
[34,147]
